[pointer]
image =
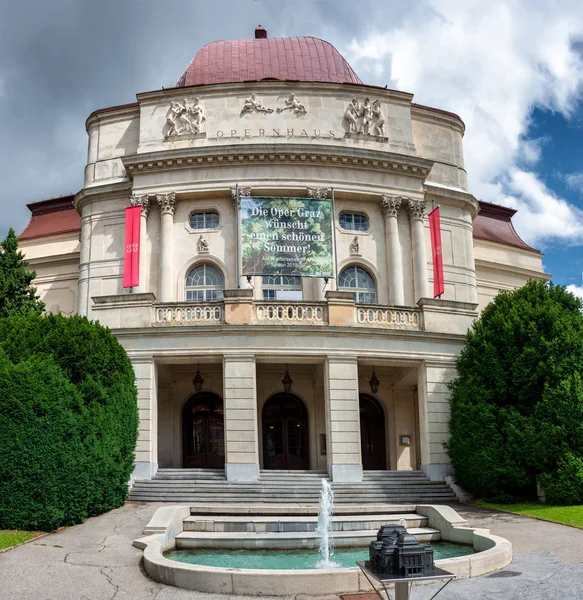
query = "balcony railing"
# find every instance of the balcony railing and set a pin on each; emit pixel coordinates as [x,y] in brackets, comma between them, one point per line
[290,313]
[184,314]
[387,317]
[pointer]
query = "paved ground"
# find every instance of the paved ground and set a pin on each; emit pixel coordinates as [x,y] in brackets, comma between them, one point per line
[96,561]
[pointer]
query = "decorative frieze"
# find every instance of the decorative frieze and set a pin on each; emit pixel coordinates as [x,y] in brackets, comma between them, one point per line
[182,119]
[319,193]
[367,119]
[390,206]
[294,105]
[252,104]
[416,209]
[142,200]
[167,203]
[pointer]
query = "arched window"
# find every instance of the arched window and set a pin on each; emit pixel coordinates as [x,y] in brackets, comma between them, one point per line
[356,279]
[282,287]
[353,221]
[204,283]
[204,220]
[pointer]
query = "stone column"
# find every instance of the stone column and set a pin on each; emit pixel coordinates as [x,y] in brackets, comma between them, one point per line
[416,210]
[167,204]
[84,260]
[390,206]
[434,412]
[143,201]
[240,401]
[147,446]
[342,419]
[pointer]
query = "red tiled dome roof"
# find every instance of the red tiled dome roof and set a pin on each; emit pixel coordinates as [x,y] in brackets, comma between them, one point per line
[295,59]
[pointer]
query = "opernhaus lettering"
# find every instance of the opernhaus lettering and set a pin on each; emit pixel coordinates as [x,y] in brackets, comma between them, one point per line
[276,132]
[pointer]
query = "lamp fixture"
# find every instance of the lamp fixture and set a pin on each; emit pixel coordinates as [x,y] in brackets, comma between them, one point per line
[287,381]
[374,382]
[198,380]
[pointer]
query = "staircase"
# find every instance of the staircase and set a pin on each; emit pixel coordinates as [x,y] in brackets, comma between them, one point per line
[279,487]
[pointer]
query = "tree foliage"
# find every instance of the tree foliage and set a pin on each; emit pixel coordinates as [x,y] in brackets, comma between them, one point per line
[68,421]
[17,294]
[517,403]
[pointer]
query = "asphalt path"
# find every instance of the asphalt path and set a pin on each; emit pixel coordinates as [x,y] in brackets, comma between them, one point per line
[96,561]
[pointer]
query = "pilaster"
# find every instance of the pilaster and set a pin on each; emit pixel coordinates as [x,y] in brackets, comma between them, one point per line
[147,447]
[343,419]
[167,204]
[143,201]
[390,206]
[416,210]
[240,401]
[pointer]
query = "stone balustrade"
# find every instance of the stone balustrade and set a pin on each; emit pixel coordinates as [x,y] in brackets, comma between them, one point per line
[186,314]
[387,317]
[289,313]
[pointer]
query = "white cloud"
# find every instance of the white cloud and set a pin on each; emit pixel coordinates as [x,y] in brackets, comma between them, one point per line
[574,181]
[576,290]
[492,64]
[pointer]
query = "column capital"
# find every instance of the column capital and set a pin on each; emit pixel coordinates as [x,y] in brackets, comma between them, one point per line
[167,203]
[390,206]
[142,200]
[416,209]
[317,193]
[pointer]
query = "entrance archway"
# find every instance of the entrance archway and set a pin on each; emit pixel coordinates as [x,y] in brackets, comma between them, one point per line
[203,432]
[285,433]
[372,434]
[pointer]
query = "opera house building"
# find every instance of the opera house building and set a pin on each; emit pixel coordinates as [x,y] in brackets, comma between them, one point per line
[257,238]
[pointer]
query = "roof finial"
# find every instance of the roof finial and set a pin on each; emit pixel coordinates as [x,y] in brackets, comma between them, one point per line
[260,33]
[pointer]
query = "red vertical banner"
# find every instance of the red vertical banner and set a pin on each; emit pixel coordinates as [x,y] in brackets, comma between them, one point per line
[131,259]
[436,252]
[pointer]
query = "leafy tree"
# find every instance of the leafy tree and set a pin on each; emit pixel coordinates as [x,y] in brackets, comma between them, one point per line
[68,420]
[17,294]
[517,402]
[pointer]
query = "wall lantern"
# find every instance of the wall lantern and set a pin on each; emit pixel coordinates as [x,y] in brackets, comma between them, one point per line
[198,380]
[374,383]
[287,382]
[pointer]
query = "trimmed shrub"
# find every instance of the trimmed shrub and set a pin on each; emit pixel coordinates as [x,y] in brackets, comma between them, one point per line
[104,416]
[517,402]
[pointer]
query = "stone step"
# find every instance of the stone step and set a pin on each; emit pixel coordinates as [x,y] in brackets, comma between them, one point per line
[295,509]
[238,540]
[299,523]
[190,498]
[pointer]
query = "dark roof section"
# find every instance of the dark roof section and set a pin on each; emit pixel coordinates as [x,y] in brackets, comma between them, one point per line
[51,217]
[494,224]
[261,58]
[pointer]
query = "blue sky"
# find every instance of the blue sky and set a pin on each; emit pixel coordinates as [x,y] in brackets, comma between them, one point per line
[561,157]
[512,69]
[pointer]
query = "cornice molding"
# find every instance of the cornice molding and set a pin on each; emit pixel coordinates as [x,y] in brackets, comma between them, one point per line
[358,158]
[108,191]
[452,196]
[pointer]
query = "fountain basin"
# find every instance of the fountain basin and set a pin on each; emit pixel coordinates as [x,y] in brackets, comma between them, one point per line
[166,534]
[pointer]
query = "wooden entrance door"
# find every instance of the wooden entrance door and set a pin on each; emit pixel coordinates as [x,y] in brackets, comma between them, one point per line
[372,434]
[203,432]
[285,433]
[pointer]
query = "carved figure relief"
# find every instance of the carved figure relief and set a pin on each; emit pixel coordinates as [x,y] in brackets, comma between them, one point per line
[293,104]
[253,105]
[202,245]
[183,119]
[355,247]
[367,119]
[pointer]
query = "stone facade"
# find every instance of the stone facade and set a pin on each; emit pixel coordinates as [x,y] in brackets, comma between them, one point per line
[183,150]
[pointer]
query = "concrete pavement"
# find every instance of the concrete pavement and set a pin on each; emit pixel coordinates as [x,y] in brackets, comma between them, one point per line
[96,561]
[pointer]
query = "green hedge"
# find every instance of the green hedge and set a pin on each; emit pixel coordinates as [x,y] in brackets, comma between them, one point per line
[517,403]
[68,421]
